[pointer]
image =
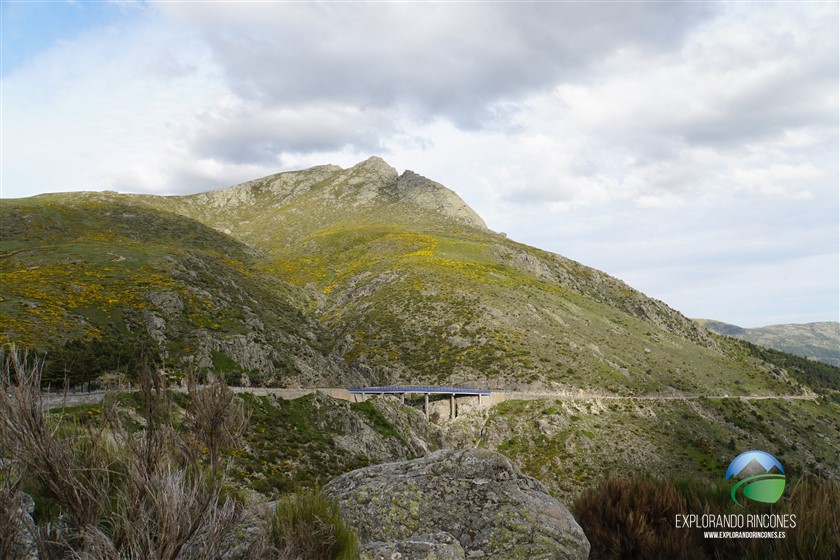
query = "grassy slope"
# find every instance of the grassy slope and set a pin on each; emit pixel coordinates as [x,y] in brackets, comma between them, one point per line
[347,261]
[337,272]
[292,443]
[88,265]
[571,444]
[413,295]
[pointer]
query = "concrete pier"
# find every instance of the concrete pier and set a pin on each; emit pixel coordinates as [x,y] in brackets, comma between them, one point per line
[403,390]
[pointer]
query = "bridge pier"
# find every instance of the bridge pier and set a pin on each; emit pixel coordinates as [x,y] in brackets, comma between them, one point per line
[404,390]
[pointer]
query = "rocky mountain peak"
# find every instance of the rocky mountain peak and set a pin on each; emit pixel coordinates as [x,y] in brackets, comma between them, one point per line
[374,167]
[413,187]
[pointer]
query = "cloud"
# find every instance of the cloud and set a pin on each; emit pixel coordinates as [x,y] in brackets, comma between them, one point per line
[242,132]
[664,143]
[166,65]
[450,60]
[86,112]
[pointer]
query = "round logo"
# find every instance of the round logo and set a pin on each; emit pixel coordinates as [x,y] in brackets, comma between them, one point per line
[758,476]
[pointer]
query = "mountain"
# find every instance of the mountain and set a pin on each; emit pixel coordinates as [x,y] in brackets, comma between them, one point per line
[327,277]
[817,341]
[359,275]
[92,276]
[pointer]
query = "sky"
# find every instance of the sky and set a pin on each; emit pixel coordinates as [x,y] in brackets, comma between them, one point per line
[689,149]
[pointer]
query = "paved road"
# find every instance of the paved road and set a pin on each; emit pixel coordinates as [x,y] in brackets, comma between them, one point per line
[54,400]
[526,395]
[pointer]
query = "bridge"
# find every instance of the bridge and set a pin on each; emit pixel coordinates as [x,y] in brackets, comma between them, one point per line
[425,390]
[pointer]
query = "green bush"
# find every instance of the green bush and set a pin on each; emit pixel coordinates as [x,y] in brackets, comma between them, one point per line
[307,524]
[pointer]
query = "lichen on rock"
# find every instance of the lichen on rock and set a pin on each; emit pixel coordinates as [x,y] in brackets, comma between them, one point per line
[477,496]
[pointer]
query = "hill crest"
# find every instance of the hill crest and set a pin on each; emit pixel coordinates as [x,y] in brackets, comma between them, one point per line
[372,181]
[817,341]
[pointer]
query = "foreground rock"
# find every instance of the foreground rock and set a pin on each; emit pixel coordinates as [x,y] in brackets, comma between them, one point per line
[478,497]
[20,527]
[439,546]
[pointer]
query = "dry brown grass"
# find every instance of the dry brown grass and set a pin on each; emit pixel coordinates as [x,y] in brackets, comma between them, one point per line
[216,418]
[117,494]
[629,519]
[633,518]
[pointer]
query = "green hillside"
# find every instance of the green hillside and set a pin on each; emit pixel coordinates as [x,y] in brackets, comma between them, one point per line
[330,277]
[105,274]
[816,341]
[333,275]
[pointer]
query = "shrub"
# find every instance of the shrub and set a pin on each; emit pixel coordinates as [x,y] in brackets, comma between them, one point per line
[118,494]
[307,524]
[816,504]
[634,518]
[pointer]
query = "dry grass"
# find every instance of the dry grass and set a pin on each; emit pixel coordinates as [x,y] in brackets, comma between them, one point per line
[633,518]
[117,494]
[816,504]
[216,418]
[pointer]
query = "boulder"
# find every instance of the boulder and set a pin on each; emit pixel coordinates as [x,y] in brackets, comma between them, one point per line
[22,543]
[477,496]
[438,546]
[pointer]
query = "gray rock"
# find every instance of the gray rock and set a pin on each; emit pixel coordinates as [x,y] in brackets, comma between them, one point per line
[155,326]
[22,542]
[477,496]
[437,546]
[251,351]
[169,303]
[426,193]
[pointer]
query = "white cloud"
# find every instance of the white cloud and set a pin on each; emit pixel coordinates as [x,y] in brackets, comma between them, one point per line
[698,141]
[93,109]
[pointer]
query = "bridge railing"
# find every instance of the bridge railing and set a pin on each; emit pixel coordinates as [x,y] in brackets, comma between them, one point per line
[423,389]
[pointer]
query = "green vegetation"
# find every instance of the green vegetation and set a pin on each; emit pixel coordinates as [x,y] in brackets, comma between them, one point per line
[89,277]
[288,446]
[107,489]
[81,361]
[818,375]
[307,524]
[815,341]
[377,421]
[568,444]
[317,277]
[312,277]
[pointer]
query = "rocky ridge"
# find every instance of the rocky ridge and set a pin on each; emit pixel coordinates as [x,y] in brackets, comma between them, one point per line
[816,341]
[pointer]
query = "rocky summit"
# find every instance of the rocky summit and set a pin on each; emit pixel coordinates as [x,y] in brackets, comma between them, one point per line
[454,504]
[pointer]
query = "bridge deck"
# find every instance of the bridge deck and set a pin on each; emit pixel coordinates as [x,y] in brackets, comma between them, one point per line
[421,389]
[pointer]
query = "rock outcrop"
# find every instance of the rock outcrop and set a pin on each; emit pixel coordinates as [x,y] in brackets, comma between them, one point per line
[438,546]
[20,527]
[476,496]
[414,188]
